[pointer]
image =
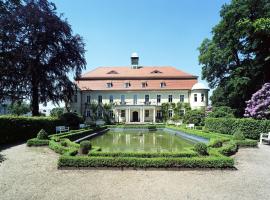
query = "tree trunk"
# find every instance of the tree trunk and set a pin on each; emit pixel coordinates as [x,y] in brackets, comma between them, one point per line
[35,97]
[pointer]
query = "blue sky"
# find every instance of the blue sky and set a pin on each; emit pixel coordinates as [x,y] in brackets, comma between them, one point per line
[163,32]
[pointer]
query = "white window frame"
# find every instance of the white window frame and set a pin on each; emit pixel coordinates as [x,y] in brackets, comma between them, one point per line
[195,97]
[182,98]
[170,96]
[111,98]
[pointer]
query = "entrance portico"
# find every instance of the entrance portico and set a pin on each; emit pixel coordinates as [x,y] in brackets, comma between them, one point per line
[135,114]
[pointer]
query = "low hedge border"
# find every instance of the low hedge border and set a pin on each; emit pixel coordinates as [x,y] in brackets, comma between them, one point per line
[143,155]
[246,143]
[133,162]
[250,127]
[58,148]
[37,142]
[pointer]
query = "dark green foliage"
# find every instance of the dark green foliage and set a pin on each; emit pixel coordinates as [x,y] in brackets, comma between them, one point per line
[201,148]
[71,119]
[195,162]
[221,111]
[195,117]
[14,129]
[37,142]
[250,127]
[64,143]
[229,149]
[57,112]
[38,52]
[66,150]
[85,147]
[238,135]
[143,155]
[235,61]
[42,135]
[19,108]
[216,143]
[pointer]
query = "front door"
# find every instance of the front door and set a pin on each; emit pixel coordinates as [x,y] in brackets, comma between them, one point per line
[135,116]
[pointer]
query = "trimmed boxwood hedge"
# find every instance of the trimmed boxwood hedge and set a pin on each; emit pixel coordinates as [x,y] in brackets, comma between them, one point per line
[250,127]
[120,162]
[143,154]
[15,129]
[229,149]
[37,142]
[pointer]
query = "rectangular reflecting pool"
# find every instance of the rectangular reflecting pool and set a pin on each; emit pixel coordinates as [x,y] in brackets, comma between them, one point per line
[141,141]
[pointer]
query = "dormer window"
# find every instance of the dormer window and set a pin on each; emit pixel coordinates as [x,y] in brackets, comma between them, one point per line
[127,84]
[162,84]
[109,84]
[112,72]
[156,72]
[144,84]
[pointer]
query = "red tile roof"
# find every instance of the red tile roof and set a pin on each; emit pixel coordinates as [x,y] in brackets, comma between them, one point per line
[173,78]
[128,72]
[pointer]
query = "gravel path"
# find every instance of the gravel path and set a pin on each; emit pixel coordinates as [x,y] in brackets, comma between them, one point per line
[31,173]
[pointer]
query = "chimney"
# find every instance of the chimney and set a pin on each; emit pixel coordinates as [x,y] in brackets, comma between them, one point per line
[134,61]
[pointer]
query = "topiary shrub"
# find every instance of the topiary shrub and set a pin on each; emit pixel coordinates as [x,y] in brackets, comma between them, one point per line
[195,117]
[85,146]
[42,135]
[63,143]
[238,135]
[215,143]
[71,119]
[201,148]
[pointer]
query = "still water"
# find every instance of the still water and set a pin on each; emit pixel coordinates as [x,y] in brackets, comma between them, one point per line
[140,141]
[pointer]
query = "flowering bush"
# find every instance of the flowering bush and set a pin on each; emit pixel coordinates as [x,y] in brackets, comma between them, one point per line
[258,106]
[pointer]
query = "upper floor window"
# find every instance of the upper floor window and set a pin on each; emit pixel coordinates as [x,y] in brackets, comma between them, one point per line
[75,98]
[127,85]
[162,84]
[144,84]
[88,99]
[170,98]
[202,97]
[111,98]
[146,98]
[182,98]
[158,98]
[99,99]
[135,99]
[122,99]
[195,97]
[109,85]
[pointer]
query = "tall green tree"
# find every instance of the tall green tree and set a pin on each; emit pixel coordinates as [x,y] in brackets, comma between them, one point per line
[38,52]
[19,108]
[236,60]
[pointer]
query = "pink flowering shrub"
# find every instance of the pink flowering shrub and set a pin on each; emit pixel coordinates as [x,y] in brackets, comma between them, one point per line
[258,106]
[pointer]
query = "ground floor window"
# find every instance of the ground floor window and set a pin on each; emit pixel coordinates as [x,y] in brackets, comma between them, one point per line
[111,114]
[170,113]
[146,113]
[88,113]
[159,114]
[181,112]
[123,113]
[99,114]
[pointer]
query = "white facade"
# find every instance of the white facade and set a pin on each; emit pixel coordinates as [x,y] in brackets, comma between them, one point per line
[137,106]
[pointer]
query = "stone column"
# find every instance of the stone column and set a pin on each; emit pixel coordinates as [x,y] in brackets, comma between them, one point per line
[143,115]
[154,115]
[128,115]
[140,114]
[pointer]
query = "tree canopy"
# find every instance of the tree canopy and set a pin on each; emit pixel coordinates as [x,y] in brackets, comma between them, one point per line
[38,51]
[236,60]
